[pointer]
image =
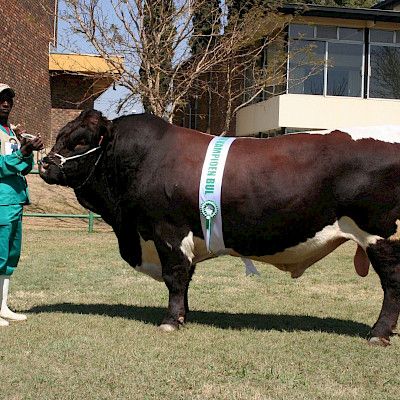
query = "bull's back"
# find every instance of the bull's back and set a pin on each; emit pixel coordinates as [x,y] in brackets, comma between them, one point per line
[282,192]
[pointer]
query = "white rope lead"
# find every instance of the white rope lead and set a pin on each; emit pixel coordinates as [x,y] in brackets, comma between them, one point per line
[63,159]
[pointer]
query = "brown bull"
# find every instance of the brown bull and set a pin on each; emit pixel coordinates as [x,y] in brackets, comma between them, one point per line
[287,201]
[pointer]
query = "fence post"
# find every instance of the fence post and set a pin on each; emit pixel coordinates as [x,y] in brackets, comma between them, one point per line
[91,221]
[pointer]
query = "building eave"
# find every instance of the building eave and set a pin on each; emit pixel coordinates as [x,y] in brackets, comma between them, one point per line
[363,14]
[85,64]
[386,4]
[102,72]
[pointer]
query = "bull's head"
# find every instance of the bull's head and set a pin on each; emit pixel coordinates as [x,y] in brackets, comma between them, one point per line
[79,146]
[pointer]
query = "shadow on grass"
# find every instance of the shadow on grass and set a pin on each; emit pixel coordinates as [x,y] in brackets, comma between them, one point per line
[223,320]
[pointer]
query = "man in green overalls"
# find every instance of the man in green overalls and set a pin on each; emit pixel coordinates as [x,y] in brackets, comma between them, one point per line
[13,196]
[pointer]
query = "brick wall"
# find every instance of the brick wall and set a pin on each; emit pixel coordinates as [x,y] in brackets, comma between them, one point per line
[71,91]
[70,94]
[196,113]
[59,117]
[27,29]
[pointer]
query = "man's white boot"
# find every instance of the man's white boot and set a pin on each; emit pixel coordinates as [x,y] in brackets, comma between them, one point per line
[5,312]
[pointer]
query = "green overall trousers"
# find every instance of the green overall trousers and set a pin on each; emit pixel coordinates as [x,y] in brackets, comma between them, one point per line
[13,195]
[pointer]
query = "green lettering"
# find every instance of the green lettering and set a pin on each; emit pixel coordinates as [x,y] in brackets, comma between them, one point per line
[209,188]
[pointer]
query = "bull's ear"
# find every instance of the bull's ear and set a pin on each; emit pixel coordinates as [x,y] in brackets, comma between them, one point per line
[92,119]
[106,132]
[99,125]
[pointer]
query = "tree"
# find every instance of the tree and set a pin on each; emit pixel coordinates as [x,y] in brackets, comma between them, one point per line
[157,13]
[206,22]
[259,63]
[168,47]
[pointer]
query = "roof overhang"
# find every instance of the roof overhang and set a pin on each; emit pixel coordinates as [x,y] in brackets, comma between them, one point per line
[386,4]
[102,72]
[362,14]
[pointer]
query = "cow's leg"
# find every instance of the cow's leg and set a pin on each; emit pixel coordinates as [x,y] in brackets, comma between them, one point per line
[385,258]
[177,269]
[191,272]
[176,278]
[128,238]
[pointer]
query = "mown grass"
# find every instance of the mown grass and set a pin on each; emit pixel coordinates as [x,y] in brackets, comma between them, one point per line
[92,329]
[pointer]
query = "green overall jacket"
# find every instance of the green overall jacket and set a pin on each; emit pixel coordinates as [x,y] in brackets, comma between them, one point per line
[13,195]
[13,185]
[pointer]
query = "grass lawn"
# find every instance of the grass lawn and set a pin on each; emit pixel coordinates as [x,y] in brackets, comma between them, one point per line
[92,329]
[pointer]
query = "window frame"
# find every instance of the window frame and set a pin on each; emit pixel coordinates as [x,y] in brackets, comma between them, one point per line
[396,34]
[326,41]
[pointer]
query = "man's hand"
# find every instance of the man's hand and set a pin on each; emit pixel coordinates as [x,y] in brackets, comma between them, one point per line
[18,129]
[30,145]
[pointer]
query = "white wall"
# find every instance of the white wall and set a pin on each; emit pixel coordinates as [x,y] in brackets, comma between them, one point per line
[315,112]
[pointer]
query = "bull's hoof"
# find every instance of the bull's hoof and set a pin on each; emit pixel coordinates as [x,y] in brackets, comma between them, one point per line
[378,341]
[168,328]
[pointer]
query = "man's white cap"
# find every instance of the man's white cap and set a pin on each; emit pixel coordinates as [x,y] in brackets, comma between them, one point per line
[4,87]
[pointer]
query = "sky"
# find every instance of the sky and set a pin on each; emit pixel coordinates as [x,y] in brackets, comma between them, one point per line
[107,102]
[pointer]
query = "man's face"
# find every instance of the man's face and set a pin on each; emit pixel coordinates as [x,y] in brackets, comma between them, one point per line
[6,103]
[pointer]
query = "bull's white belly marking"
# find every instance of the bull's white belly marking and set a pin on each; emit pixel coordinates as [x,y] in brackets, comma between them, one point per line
[298,258]
[349,230]
[151,264]
[295,259]
[344,228]
[396,235]
[187,246]
[152,270]
[384,133]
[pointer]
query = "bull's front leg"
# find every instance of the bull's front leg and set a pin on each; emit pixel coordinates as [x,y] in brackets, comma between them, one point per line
[385,258]
[176,253]
[125,228]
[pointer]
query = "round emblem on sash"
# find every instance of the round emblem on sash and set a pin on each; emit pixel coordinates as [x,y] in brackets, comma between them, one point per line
[209,209]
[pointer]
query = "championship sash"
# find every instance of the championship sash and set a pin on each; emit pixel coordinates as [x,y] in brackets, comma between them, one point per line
[210,193]
[210,198]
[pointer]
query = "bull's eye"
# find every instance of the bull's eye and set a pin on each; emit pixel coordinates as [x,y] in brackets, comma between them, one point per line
[77,145]
[78,139]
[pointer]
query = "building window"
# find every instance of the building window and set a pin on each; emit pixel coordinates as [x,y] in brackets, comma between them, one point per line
[326,60]
[384,61]
[305,73]
[344,72]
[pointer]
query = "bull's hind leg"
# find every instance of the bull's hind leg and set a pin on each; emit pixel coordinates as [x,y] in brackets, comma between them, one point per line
[385,258]
[177,270]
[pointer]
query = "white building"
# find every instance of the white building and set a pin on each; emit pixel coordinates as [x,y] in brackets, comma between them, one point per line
[358,83]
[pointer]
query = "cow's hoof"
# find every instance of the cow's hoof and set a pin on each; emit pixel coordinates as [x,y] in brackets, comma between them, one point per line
[168,328]
[378,341]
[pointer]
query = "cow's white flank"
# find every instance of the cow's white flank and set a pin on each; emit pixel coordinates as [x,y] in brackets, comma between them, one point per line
[384,133]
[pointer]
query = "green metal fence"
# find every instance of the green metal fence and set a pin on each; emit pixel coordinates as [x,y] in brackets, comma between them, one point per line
[90,216]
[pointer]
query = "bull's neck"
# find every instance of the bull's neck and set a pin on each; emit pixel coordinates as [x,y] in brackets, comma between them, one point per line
[96,194]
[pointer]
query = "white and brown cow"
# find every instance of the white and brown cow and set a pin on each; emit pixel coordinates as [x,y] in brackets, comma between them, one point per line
[287,201]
